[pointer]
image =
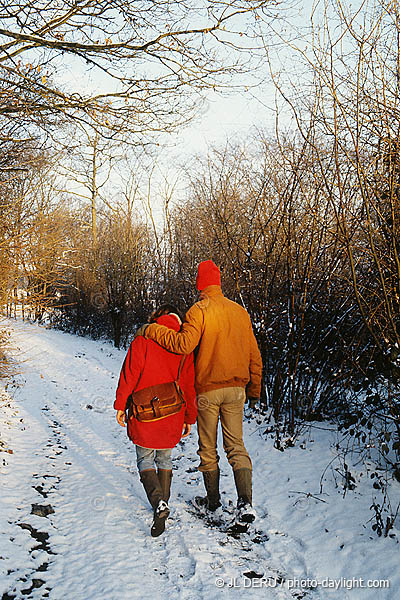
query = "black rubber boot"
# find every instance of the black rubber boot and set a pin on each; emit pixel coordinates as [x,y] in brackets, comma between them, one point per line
[165,478]
[245,512]
[152,486]
[212,500]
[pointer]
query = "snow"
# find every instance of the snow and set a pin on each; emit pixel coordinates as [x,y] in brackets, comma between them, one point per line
[96,545]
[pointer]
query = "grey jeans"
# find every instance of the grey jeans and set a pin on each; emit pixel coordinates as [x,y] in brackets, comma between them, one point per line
[147,458]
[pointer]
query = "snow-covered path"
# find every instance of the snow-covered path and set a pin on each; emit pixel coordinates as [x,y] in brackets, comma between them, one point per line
[74,518]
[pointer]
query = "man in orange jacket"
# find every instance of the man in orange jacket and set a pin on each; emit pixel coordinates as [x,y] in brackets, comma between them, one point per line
[228,368]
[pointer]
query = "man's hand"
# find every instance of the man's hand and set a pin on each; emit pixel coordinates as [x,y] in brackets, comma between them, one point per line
[141,330]
[186,429]
[253,402]
[121,417]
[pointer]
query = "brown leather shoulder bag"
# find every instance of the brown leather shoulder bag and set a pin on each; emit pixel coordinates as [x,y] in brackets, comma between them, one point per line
[156,401]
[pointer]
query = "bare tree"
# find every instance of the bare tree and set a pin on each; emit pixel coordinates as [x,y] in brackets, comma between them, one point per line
[143,63]
[351,74]
[256,209]
[353,101]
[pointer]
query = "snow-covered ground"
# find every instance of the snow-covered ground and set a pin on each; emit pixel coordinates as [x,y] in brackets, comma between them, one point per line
[74,520]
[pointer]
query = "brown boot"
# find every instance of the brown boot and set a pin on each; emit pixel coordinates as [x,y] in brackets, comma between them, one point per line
[212,500]
[152,487]
[245,512]
[243,484]
[165,478]
[151,484]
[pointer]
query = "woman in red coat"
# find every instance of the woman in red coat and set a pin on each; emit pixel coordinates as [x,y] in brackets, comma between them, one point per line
[147,364]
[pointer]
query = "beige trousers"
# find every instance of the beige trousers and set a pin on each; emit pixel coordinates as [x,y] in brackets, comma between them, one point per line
[226,405]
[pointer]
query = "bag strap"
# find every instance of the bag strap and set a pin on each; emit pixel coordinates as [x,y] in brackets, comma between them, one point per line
[129,402]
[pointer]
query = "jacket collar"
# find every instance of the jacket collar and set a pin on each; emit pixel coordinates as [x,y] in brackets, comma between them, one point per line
[211,291]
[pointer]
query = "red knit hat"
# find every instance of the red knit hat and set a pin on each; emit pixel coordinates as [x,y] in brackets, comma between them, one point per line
[207,274]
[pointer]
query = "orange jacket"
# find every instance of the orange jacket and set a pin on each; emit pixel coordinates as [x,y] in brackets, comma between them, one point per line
[227,354]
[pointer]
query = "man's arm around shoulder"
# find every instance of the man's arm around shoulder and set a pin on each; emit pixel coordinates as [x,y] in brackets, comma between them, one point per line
[183,341]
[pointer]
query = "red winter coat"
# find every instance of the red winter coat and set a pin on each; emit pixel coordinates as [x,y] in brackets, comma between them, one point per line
[148,364]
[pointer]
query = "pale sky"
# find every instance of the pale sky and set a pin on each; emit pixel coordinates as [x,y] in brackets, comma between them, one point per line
[223,118]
